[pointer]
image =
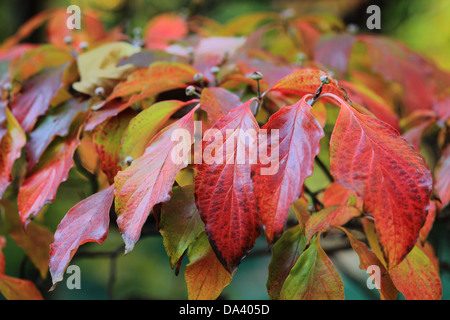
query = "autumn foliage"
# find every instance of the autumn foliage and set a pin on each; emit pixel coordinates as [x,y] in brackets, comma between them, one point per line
[351,106]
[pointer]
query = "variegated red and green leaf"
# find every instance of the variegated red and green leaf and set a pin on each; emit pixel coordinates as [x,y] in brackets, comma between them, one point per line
[285,254]
[144,126]
[416,277]
[149,179]
[107,139]
[180,223]
[205,275]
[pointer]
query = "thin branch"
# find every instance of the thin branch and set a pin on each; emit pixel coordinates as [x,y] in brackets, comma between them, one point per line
[324,168]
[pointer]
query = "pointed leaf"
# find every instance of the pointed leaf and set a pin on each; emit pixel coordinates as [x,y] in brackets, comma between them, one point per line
[149,179]
[205,275]
[366,259]
[35,241]
[370,157]
[306,81]
[329,217]
[107,139]
[18,289]
[37,92]
[41,184]
[55,123]
[224,190]
[144,126]
[11,146]
[87,221]
[217,102]
[285,254]
[416,277]
[299,134]
[313,277]
[180,223]
[442,175]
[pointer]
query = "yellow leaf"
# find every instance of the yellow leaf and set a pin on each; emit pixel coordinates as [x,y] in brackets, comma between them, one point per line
[98,67]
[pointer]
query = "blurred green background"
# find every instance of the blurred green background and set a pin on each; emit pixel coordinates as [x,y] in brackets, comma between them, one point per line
[145,273]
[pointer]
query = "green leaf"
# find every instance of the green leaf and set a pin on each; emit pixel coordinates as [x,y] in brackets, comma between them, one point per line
[313,277]
[144,126]
[285,254]
[180,222]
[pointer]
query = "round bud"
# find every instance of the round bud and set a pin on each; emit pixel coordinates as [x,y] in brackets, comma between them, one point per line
[301,56]
[99,91]
[324,79]
[198,77]
[352,28]
[287,14]
[190,90]
[256,75]
[215,70]
[128,160]
[67,39]
[83,45]
[8,86]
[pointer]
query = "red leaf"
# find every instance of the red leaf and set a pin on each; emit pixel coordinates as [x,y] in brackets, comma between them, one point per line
[2,257]
[38,91]
[148,180]
[370,157]
[40,186]
[299,136]
[55,123]
[372,102]
[442,175]
[11,146]
[87,221]
[217,102]
[224,190]
[334,51]
[397,63]
[163,29]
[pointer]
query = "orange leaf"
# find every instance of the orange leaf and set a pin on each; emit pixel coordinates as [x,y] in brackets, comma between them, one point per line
[205,275]
[163,29]
[416,277]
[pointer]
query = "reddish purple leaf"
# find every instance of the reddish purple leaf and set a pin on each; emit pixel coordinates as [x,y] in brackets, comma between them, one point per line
[87,221]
